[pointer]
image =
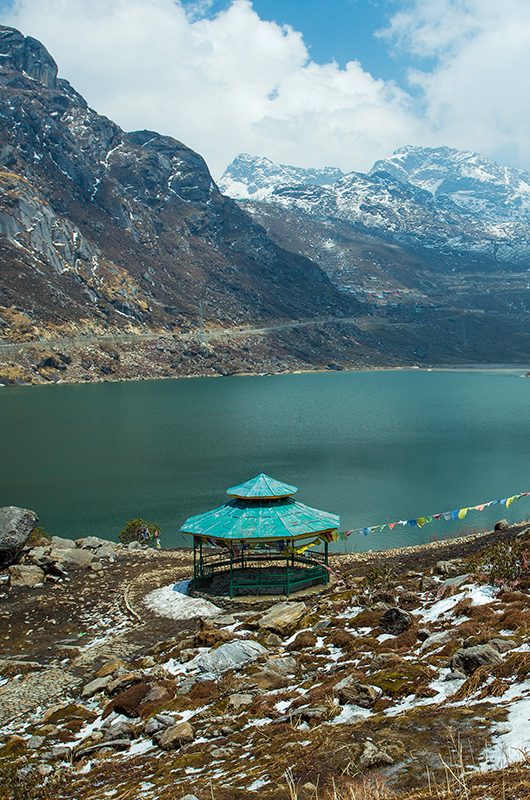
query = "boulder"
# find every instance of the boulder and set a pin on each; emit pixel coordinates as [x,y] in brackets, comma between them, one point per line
[240,700]
[59,543]
[435,639]
[373,756]
[129,701]
[93,542]
[395,621]
[503,645]
[122,681]
[468,659]
[72,557]
[231,655]
[176,736]
[284,665]
[25,575]
[16,526]
[119,730]
[501,525]
[359,694]
[95,686]
[282,618]
[267,680]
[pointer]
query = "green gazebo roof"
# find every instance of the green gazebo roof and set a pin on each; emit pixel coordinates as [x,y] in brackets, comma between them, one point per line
[255,516]
[262,486]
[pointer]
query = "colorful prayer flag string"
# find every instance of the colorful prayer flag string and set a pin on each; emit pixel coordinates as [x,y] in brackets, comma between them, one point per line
[448,516]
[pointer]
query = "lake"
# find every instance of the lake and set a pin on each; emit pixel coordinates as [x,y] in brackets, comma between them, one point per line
[373,446]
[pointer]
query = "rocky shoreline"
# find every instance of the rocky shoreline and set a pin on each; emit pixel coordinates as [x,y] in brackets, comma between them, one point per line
[115,682]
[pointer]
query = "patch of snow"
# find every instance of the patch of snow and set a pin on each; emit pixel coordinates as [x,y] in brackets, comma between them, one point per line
[140,747]
[512,739]
[257,784]
[174,602]
[350,713]
[384,636]
[479,596]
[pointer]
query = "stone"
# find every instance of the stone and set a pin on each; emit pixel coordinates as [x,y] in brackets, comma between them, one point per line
[209,637]
[16,526]
[444,567]
[285,665]
[282,618]
[441,637]
[174,737]
[423,634]
[468,659]
[25,575]
[122,681]
[59,543]
[72,557]
[240,700]
[373,756]
[268,679]
[395,621]
[94,542]
[61,752]
[96,566]
[95,686]
[359,694]
[501,525]
[34,742]
[503,645]
[231,655]
[119,730]
[189,797]
[224,619]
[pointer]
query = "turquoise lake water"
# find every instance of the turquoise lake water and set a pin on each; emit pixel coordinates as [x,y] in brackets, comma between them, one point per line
[371,446]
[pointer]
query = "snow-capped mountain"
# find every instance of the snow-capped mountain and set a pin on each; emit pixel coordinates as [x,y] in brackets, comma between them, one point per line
[475,184]
[256,178]
[453,202]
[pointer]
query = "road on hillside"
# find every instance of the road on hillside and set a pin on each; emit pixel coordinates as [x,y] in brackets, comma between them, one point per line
[196,335]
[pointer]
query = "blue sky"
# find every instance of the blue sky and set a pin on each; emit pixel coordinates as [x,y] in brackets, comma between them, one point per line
[340,30]
[345,84]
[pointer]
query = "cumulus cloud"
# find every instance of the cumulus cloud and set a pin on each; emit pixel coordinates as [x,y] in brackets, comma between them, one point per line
[475,89]
[223,84]
[230,82]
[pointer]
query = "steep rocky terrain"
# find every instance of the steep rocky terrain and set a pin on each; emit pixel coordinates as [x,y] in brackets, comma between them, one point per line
[106,229]
[408,676]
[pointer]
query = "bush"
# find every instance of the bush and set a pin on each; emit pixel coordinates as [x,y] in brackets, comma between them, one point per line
[138,530]
[504,564]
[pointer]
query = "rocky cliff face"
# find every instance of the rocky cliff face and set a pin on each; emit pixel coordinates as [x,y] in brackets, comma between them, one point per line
[101,228]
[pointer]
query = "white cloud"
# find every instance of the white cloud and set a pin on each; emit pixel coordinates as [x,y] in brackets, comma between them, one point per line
[476,94]
[234,82]
[222,85]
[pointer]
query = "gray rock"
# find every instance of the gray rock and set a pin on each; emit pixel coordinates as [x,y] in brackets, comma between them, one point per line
[72,557]
[373,756]
[468,659]
[359,694]
[435,639]
[95,686]
[34,742]
[444,567]
[25,575]
[240,700]
[119,730]
[93,542]
[189,797]
[230,655]
[456,581]
[16,526]
[282,618]
[61,751]
[285,665]
[174,737]
[59,543]
[503,645]
[395,621]
[501,525]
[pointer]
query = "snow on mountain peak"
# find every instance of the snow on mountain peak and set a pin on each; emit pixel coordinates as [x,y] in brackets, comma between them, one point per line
[257,177]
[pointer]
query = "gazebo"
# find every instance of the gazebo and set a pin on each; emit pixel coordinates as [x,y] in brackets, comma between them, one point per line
[261,541]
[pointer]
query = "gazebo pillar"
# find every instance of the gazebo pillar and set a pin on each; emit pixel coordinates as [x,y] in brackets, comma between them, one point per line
[326,560]
[231,572]
[194,562]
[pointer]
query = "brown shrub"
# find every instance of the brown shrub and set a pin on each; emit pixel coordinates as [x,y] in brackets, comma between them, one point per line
[303,640]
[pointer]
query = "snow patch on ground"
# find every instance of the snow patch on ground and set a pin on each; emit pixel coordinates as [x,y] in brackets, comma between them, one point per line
[511,739]
[174,602]
[479,596]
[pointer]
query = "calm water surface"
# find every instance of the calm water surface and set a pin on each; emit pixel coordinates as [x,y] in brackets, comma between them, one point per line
[371,446]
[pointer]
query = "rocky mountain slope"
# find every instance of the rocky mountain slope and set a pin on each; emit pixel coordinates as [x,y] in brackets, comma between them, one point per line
[408,676]
[100,228]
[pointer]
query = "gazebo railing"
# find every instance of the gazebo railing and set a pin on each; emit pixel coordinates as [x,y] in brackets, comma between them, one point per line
[288,578]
